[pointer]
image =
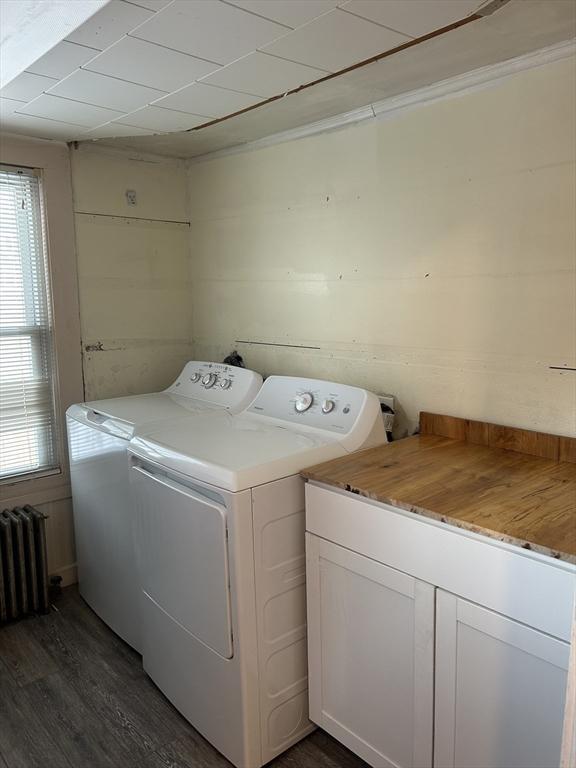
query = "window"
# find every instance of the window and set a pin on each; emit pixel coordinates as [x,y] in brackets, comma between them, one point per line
[29,440]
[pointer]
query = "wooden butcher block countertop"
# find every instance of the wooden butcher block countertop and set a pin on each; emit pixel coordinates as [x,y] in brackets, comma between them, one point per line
[509,484]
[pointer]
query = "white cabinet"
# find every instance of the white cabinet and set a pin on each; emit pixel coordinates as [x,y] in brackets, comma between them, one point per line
[421,633]
[500,688]
[371,654]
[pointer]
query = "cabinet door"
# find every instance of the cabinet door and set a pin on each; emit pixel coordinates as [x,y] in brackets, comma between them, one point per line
[500,689]
[371,655]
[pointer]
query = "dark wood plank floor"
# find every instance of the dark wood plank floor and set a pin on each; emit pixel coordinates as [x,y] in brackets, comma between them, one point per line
[73,695]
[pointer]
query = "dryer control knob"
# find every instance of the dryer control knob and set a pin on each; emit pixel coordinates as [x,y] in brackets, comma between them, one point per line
[195,377]
[209,380]
[303,401]
[328,406]
[225,383]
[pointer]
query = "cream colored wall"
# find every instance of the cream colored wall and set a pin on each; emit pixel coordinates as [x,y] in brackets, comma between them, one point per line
[133,270]
[430,255]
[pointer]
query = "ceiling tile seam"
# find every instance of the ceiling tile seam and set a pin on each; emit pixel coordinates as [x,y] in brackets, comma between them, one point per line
[97,52]
[200,81]
[216,88]
[144,8]
[376,23]
[165,109]
[258,15]
[72,42]
[112,77]
[73,101]
[293,61]
[50,119]
[166,48]
[81,103]
[20,101]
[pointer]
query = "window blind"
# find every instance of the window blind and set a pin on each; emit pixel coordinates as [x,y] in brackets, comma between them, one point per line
[28,425]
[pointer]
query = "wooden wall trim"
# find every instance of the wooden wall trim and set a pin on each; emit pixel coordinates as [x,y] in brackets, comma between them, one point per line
[542,444]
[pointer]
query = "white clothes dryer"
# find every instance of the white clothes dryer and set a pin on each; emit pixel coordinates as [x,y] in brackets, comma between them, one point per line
[220,536]
[98,435]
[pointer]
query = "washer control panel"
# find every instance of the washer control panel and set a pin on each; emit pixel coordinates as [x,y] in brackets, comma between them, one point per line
[216,383]
[321,404]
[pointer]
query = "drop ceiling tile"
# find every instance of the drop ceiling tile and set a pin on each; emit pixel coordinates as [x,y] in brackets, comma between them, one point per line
[335,41]
[30,125]
[9,106]
[114,130]
[68,111]
[63,59]
[200,99]
[109,24]
[150,64]
[416,18]
[211,30]
[103,91]
[292,13]
[263,75]
[27,86]
[158,119]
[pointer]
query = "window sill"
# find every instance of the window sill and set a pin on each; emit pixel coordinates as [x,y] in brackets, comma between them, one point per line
[37,490]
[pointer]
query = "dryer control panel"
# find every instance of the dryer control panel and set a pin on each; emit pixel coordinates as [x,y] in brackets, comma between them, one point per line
[218,383]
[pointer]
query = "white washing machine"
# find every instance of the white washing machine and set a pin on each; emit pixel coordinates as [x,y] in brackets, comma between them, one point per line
[98,435]
[220,536]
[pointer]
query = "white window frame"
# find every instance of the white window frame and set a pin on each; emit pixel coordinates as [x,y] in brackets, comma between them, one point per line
[53,161]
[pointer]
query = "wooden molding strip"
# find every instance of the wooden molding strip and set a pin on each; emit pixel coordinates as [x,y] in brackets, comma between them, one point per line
[541,444]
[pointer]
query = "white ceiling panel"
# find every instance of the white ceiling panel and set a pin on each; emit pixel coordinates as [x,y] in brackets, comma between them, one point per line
[414,18]
[115,130]
[292,13]
[27,86]
[31,28]
[110,24]
[103,91]
[335,41]
[9,106]
[209,100]
[158,119]
[68,111]
[210,30]
[150,64]
[264,75]
[63,59]
[29,125]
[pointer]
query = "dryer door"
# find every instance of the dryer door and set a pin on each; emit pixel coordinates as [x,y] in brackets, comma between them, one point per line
[183,556]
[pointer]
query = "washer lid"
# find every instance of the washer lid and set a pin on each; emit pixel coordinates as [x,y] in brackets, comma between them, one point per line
[121,415]
[234,452]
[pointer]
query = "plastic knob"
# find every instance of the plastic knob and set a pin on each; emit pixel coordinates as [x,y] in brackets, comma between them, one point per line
[195,377]
[209,380]
[303,401]
[225,383]
[328,406]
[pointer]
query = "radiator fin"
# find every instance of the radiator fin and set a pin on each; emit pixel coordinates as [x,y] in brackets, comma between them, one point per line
[23,563]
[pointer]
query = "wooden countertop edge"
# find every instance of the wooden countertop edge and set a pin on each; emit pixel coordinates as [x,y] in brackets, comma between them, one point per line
[529,546]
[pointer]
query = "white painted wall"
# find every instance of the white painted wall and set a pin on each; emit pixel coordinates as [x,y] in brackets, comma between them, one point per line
[133,270]
[430,255]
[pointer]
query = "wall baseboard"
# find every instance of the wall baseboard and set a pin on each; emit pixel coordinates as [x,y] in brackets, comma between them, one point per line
[68,574]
